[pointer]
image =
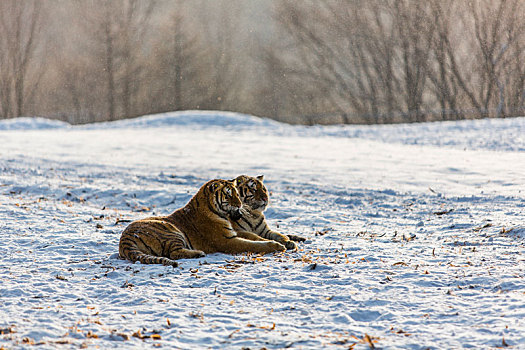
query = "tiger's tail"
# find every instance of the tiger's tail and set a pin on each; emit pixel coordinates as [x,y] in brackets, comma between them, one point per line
[136,255]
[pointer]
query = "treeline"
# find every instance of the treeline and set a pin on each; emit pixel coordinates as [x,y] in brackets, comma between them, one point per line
[313,61]
[405,60]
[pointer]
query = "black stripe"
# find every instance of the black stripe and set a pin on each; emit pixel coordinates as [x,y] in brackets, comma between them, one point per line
[156,237]
[217,201]
[265,233]
[169,248]
[187,240]
[246,221]
[241,226]
[214,211]
[146,246]
[127,240]
[163,248]
[261,221]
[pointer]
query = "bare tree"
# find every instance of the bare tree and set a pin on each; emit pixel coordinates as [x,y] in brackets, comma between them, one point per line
[367,58]
[220,28]
[414,33]
[443,84]
[388,60]
[116,30]
[131,33]
[494,37]
[178,65]
[20,35]
[317,73]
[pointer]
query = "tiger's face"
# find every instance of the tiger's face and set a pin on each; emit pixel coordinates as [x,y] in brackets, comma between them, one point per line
[225,198]
[252,191]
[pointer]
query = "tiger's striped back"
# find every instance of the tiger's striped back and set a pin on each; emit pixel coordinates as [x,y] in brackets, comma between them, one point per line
[162,240]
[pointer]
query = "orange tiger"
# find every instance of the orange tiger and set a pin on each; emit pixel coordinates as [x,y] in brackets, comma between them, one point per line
[200,227]
[254,197]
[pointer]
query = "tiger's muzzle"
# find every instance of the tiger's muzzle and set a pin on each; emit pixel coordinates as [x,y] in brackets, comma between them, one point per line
[261,205]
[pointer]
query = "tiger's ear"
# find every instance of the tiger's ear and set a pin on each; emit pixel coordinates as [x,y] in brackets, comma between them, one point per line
[233,182]
[214,186]
[260,178]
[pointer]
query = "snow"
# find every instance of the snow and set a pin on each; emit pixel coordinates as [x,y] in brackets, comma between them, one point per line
[415,234]
[31,124]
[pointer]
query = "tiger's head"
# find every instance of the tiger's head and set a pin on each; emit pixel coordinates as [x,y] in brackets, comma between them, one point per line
[224,198]
[253,193]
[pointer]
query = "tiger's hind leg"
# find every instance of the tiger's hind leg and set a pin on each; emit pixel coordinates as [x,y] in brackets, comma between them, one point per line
[183,253]
[136,255]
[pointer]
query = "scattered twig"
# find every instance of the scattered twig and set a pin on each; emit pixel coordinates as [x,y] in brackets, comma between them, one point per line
[443,212]
[240,261]
[368,340]
[119,220]
[108,267]
[408,237]
[323,232]
[504,343]
[477,229]
[139,335]
[232,333]
[127,285]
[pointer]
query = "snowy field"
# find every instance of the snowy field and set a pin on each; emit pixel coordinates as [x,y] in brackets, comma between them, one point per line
[415,235]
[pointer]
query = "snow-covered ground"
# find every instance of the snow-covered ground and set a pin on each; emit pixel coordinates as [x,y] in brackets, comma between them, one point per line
[415,234]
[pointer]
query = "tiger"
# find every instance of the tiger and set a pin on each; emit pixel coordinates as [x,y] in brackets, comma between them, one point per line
[254,197]
[201,227]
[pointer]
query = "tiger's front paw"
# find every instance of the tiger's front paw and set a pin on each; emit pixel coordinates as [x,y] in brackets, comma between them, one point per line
[290,245]
[276,246]
[198,254]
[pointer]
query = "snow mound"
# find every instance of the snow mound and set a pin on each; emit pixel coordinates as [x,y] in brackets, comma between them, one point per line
[483,134]
[189,119]
[502,135]
[27,123]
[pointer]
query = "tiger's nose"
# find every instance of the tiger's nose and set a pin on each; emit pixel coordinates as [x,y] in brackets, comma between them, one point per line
[236,214]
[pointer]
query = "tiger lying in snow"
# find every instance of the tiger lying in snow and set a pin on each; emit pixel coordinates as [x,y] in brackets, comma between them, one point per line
[254,197]
[202,226]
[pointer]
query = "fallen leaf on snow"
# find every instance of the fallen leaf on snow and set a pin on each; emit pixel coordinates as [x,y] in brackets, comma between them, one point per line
[7,330]
[90,334]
